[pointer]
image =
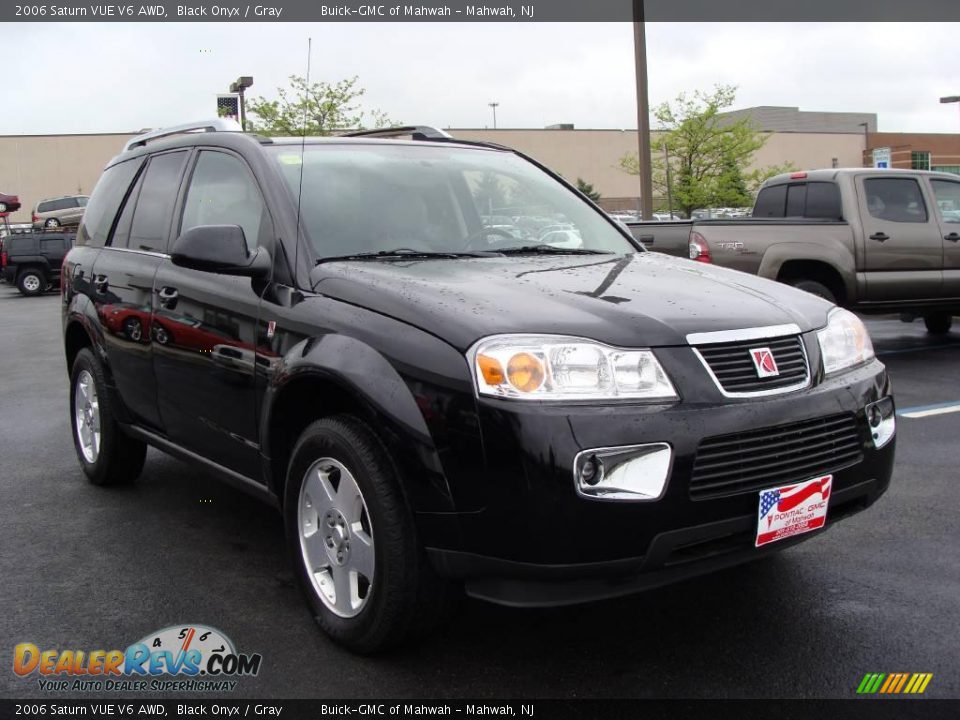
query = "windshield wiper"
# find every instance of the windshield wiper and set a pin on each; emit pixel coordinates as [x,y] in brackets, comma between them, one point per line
[543,249]
[404,253]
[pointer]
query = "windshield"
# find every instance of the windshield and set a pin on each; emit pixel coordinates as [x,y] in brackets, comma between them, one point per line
[381,197]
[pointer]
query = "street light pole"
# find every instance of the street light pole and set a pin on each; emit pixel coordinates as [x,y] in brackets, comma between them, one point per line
[643,112]
[494,105]
[666,165]
[241,84]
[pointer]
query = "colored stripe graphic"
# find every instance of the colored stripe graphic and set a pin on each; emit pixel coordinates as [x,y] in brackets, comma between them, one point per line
[894,683]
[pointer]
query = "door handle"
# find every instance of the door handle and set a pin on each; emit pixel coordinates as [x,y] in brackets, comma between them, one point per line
[881,236]
[168,297]
[646,239]
[100,283]
[952,237]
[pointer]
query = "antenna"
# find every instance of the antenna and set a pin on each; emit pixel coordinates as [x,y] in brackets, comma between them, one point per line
[303,147]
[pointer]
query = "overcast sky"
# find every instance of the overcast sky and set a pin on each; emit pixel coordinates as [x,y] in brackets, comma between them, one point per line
[88,77]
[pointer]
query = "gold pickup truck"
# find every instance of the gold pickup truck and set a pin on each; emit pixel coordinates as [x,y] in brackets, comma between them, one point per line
[875,241]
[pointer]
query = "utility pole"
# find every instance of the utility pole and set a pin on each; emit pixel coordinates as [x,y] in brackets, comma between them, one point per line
[643,111]
[494,105]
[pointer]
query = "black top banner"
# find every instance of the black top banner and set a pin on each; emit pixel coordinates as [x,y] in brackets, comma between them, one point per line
[489,11]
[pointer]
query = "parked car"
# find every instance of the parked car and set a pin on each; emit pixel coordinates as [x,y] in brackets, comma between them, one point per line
[8,204]
[440,404]
[875,241]
[59,212]
[32,261]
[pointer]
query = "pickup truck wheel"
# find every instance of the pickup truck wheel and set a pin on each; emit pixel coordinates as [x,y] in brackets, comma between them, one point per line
[814,288]
[353,542]
[107,455]
[31,282]
[938,323]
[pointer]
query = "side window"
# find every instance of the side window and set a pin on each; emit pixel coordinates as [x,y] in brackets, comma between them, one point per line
[895,200]
[51,247]
[121,233]
[770,202]
[948,199]
[223,192]
[44,207]
[158,192]
[105,202]
[823,201]
[796,200]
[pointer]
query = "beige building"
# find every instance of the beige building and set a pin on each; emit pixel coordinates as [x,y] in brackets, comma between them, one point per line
[36,167]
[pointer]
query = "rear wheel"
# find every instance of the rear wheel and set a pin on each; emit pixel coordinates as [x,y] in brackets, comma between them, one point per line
[51,223]
[938,323]
[107,455]
[814,288]
[353,542]
[31,282]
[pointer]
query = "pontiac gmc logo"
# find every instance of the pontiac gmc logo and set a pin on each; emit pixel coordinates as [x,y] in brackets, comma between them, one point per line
[764,363]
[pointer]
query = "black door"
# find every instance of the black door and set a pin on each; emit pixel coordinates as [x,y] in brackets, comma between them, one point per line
[122,283]
[205,324]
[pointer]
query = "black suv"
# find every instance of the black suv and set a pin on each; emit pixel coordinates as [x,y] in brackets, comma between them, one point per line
[32,261]
[446,367]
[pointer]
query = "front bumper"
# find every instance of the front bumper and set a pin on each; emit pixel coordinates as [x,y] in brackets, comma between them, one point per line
[537,542]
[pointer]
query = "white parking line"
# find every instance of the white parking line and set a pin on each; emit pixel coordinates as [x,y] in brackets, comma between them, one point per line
[921,412]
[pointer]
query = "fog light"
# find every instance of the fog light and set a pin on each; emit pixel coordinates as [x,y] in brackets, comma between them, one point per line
[881,416]
[592,471]
[632,472]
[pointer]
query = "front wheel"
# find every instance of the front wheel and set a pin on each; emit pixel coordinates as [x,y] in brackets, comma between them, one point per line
[938,323]
[107,455]
[353,542]
[814,288]
[31,282]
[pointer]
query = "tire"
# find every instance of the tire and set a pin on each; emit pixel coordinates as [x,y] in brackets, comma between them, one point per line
[133,329]
[3,207]
[51,223]
[938,323]
[115,459]
[161,335]
[814,288]
[403,598]
[31,282]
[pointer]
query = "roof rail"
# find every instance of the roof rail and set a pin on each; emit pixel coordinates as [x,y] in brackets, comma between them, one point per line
[214,125]
[417,132]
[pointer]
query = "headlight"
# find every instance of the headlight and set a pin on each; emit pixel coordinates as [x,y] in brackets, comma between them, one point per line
[555,367]
[844,342]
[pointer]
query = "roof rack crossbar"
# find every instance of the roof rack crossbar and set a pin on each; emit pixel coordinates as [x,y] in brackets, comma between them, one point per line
[214,125]
[417,132]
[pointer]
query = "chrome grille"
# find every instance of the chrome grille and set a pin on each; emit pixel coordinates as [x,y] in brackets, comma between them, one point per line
[733,370]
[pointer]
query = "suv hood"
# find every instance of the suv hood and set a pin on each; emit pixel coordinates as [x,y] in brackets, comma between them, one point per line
[635,300]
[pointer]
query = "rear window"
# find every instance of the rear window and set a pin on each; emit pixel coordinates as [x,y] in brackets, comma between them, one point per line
[105,202]
[814,200]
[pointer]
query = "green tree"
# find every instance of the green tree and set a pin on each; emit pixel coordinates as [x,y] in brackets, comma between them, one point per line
[489,194]
[318,108]
[587,189]
[709,155]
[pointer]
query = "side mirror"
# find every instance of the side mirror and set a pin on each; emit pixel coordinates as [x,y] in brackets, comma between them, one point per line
[220,249]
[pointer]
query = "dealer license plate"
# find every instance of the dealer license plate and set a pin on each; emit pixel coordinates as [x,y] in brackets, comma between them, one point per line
[792,509]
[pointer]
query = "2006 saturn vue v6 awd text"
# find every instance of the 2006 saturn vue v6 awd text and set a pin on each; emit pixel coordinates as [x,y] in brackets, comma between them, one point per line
[447,367]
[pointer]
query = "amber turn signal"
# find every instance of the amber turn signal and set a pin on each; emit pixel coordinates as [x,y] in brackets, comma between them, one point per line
[491,370]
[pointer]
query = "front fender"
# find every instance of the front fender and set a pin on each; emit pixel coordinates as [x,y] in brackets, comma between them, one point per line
[417,400]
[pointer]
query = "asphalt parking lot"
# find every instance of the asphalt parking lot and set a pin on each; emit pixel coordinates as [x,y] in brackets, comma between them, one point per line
[83,567]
